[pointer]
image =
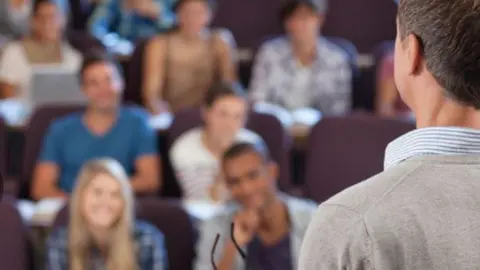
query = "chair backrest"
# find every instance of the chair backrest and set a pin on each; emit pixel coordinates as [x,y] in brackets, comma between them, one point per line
[3,148]
[249,31]
[84,42]
[266,126]
[35,131]
[354,20]
[133,90]
[177,226]
[170,218]
[343,151]
[14,245]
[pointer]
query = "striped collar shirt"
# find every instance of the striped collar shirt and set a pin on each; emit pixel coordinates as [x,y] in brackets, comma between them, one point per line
[433,141]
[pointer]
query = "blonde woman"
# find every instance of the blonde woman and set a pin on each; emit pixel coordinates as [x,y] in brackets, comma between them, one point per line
[102,232]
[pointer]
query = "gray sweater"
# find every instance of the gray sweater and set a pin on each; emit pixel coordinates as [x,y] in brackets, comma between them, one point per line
[423,213]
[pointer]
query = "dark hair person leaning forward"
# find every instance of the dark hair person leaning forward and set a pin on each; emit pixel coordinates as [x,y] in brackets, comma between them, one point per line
[269,225]
[423,211]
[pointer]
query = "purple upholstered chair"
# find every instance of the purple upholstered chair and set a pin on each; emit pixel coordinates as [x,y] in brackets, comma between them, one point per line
[267,126]
[83,42]
[171,220]
[177,226]
[354,21]
[343,151]
[14,247]
[35,131]
[133,90]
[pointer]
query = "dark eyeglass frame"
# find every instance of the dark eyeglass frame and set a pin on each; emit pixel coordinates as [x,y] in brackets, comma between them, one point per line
[232,237]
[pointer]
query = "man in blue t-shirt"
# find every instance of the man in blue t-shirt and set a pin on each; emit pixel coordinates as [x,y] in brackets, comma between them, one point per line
[105,129]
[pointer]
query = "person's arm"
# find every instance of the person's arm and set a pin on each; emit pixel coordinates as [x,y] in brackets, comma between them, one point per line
[11,69]
[336,239]
[147,165]
[102,18]
[343,89]
[47,170]
[153,80]
[159,252]
[229,255]
[386,90]
[259,90]
[225,46]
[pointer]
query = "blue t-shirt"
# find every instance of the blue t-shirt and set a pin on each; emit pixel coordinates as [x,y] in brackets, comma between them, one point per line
[69,143]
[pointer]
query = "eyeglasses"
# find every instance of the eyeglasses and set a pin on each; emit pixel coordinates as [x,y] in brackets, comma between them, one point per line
[232,237]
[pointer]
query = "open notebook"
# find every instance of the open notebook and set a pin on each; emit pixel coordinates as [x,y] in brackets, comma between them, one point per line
[42,212]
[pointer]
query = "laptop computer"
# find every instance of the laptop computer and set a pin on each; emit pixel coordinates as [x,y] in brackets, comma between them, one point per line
[56,88]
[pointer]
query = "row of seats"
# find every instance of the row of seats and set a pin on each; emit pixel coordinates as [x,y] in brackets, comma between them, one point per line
[341,151]
[16,249]
[250,20]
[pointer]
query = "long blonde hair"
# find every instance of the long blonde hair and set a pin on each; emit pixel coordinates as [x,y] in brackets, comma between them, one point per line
[121,251]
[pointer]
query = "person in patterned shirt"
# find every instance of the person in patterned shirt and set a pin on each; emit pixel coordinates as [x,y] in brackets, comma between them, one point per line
[102,232]
[302,69]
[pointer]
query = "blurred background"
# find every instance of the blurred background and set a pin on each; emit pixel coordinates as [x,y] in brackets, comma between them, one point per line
[317,75]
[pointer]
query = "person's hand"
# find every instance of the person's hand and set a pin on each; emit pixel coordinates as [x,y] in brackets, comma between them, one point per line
[246,225]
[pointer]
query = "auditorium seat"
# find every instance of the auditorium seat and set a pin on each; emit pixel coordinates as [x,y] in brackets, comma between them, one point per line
[170,218]
[343,151]
[84,42]
[134,73]
[36,129]
[261,21]
[267,126]
[365,23]
[14,245]
[9,185]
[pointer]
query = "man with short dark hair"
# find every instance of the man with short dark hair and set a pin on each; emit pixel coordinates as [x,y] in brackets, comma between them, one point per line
[105,129]
[269,226]
[423,211]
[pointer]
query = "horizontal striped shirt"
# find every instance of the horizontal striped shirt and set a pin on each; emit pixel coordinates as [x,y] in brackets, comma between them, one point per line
[433,141]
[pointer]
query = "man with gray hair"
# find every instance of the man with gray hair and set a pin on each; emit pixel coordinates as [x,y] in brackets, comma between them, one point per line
[423,211]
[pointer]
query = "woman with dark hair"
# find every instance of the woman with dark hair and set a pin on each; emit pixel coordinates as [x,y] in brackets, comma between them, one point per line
[181,65]
[195,155]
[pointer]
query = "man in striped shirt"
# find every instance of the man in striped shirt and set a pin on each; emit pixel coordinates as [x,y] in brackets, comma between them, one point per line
[423,211]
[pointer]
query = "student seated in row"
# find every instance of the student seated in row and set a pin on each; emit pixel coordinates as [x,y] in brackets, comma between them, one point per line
[104,129]
[181,65]
[268,225]
[102,232]
[43,48]
[303,69]
[195,155]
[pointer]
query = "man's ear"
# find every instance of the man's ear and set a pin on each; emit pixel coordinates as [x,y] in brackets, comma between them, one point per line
[414,53]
